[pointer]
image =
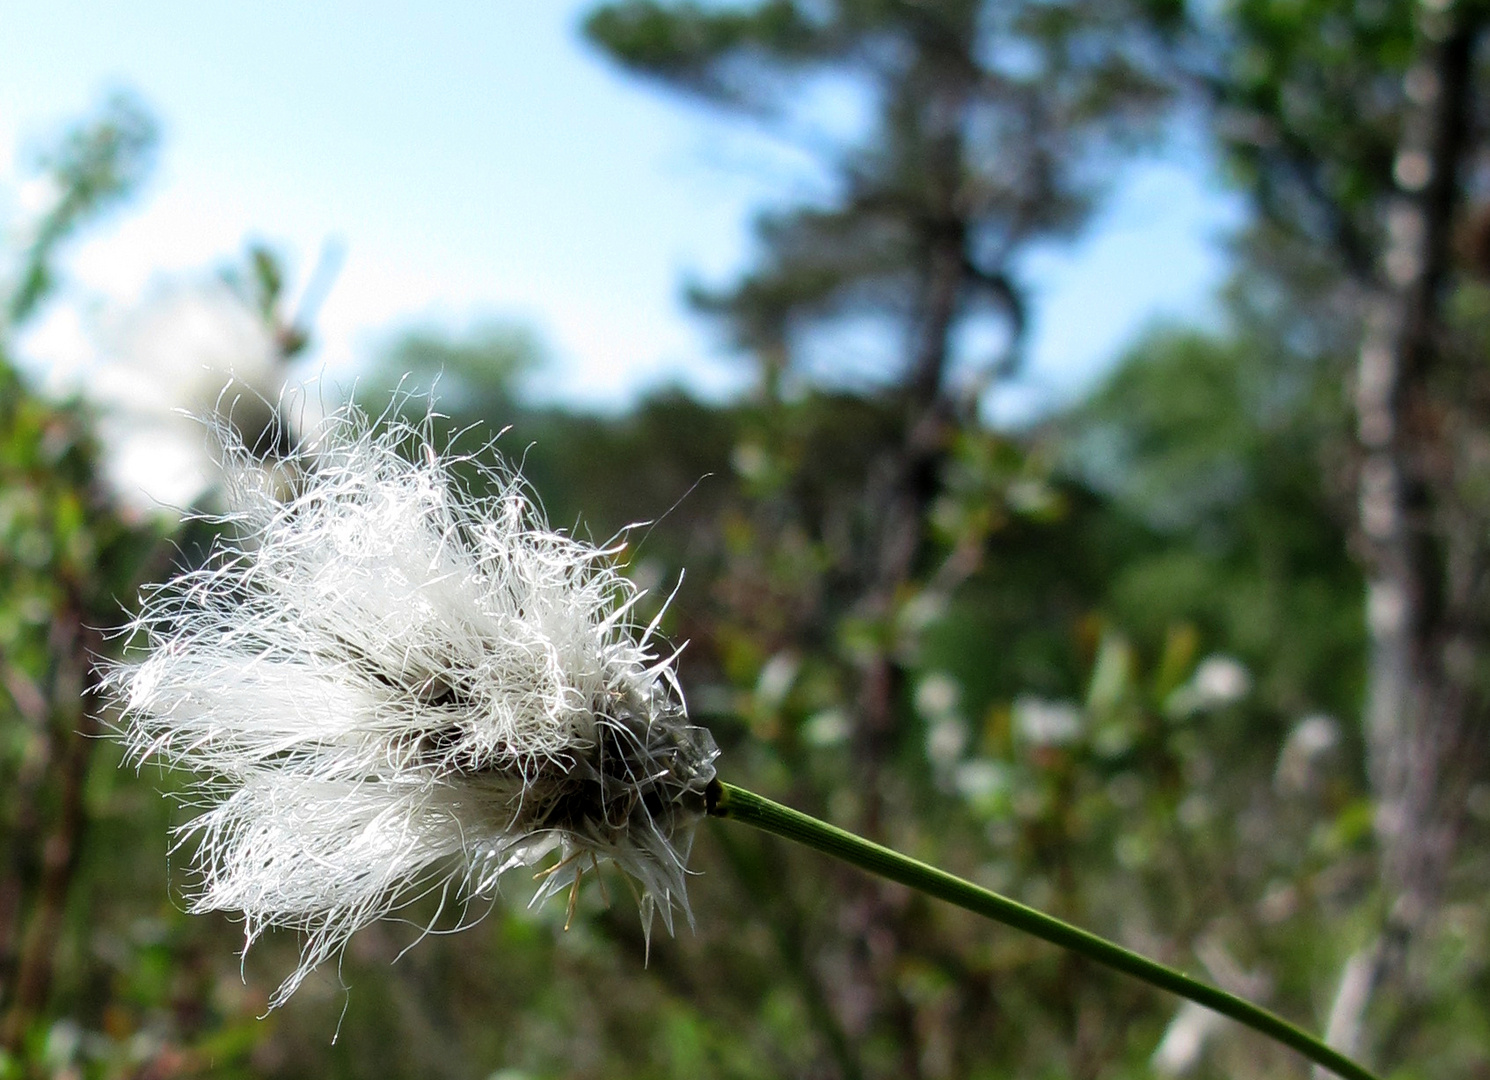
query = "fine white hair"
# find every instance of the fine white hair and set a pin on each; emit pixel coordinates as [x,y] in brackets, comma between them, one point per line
[387,686]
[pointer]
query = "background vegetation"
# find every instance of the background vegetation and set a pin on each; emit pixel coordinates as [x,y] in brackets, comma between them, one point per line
[1200,663]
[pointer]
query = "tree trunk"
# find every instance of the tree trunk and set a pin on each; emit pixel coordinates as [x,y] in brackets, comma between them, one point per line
[1420,710]
[908,480]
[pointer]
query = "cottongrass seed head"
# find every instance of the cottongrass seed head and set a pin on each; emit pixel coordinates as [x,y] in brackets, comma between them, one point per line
[387,687]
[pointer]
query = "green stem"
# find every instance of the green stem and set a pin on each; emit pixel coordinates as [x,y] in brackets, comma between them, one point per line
[728,801]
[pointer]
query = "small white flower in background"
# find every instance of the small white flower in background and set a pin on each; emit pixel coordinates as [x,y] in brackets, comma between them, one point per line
[980,780]
[171,359]
[1221,680]
[389,688]
[946,739]
[937,695]
[1218,681]
[1046,723]
[778,676]
[826,728]
[1304,752]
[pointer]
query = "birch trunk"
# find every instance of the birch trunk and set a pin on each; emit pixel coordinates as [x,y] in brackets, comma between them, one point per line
[1423,570]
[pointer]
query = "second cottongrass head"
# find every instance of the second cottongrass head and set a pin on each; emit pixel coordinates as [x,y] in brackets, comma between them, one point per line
[388,687]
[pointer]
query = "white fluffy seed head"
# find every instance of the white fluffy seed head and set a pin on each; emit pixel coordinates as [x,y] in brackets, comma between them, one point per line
[387,687]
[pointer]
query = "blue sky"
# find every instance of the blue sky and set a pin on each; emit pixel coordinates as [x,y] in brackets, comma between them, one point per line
[477,160]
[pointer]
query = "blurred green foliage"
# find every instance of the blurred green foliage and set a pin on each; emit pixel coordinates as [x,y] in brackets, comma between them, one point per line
[95,166]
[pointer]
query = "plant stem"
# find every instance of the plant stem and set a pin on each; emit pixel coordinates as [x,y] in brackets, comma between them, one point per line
[728,801]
